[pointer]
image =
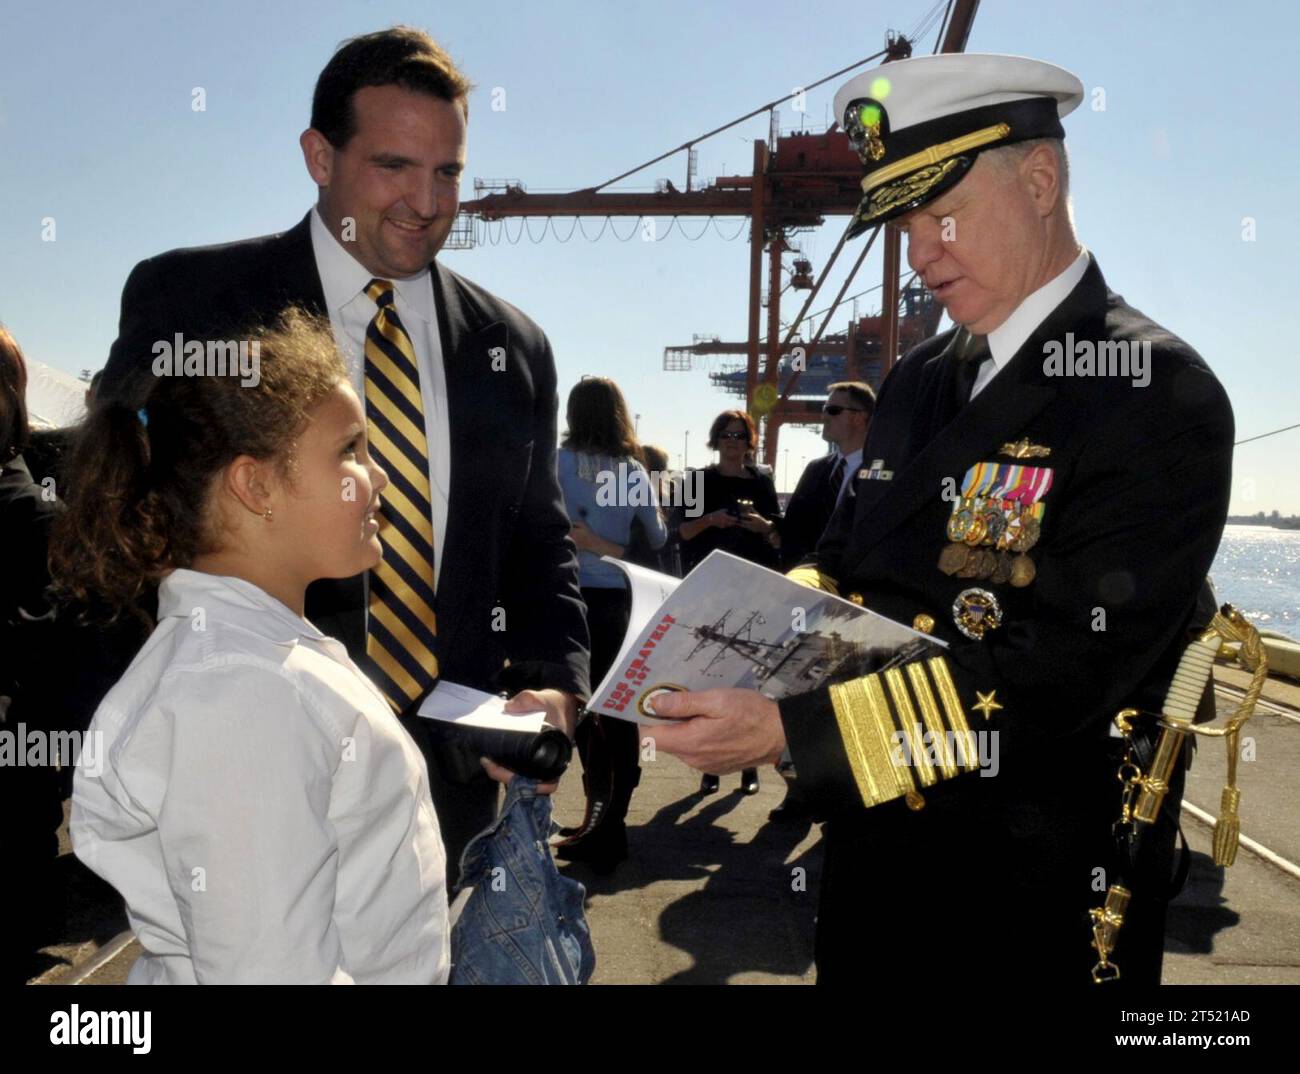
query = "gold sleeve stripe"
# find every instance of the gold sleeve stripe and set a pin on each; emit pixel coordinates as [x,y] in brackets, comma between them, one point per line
[846,698]
[918,754]
[814,579]
[885,720]
[867,731]
[925,700]
[886,736]
[962,734]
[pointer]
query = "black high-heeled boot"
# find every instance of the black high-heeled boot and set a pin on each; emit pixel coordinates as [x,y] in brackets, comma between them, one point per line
[602,841]
[749,781]
[569,831]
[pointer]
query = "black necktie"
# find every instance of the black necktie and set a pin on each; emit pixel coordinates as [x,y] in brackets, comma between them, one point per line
[969,360]
[837,479]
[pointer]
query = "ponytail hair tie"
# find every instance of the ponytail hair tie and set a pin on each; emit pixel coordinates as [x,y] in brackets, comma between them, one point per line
[143,415]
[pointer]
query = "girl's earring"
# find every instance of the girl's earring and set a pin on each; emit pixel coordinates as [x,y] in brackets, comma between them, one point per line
[267,514]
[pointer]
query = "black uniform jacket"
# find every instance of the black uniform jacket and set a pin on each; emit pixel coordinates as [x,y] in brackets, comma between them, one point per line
[507,543]
[1130,525]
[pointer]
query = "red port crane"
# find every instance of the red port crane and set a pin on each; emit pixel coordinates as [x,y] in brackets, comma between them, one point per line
[797,181]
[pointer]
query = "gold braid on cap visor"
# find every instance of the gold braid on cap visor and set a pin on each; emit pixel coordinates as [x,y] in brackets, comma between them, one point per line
[936,154]
[906,190]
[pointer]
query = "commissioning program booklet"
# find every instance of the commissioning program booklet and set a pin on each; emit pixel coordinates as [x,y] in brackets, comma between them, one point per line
[733,623]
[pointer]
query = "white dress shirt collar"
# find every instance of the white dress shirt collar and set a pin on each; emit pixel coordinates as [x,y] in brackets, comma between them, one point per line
[343,277]
[1011,334]
[183,591]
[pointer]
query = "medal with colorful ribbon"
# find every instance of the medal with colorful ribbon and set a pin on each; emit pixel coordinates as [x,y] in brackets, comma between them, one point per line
[996,521]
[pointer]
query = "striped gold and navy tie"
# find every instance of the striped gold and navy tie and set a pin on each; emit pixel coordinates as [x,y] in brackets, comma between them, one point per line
[401,638]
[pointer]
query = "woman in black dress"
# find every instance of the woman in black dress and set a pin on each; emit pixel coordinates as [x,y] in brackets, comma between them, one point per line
[740,515]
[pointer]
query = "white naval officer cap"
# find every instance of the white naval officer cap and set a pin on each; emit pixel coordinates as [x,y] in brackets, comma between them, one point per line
[919,124]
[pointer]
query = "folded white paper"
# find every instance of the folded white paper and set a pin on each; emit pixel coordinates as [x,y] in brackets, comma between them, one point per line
[468,707]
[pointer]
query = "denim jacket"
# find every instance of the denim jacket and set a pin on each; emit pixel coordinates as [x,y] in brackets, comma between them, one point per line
[523,922]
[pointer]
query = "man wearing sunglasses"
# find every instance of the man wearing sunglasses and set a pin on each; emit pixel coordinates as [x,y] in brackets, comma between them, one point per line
[823,486]
[825,481]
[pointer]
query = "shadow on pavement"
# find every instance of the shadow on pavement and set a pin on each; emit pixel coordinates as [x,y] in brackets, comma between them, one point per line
[1199,911]
[754,911]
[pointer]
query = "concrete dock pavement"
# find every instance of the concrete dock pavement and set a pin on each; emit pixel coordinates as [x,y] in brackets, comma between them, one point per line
[1241,925]
[712,893]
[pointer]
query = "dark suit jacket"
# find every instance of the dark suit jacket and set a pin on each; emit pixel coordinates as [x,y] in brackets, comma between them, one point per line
[1131,524]
[507,541]
[809,510]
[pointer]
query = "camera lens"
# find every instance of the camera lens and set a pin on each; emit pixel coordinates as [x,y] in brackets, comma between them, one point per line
[542,756]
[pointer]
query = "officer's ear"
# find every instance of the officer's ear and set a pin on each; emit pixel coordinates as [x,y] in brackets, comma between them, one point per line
[1040,173]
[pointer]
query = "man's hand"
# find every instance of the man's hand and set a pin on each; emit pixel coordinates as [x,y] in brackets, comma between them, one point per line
[561,713]
[727,730]
[561,709]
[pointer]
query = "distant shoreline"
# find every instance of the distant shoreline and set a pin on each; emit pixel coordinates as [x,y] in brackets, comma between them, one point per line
[1292,523]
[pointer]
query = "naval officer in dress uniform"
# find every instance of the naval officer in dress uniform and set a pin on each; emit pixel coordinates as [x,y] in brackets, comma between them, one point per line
[1043,489]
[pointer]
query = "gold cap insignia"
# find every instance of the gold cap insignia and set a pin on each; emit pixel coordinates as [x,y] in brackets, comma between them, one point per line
[875,145]
[867,126]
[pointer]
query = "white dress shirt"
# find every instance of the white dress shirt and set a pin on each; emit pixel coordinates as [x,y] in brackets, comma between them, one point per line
[344,280]
[1011,334]
[258,806]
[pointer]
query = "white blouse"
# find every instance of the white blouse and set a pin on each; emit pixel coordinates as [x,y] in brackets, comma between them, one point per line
[260,809]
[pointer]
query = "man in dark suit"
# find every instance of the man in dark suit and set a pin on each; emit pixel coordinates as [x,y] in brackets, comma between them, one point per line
[846,415]
[823,485]
[460,394]
[1045,488]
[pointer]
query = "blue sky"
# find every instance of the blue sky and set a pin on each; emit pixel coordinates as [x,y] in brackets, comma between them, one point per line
[97,131]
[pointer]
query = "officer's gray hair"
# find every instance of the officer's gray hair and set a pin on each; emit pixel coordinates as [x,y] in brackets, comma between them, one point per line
[1010,156]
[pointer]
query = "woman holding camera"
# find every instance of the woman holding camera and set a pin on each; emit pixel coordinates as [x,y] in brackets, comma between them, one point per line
[739,513]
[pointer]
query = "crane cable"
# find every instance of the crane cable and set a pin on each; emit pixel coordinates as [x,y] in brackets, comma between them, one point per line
[1261,436]
[727,126]
[927,20]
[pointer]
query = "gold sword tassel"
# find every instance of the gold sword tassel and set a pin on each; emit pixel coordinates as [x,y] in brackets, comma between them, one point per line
[1233,627]
[1145,793]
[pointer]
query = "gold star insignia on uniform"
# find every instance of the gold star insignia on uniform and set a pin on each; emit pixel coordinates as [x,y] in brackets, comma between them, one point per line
[988,703]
